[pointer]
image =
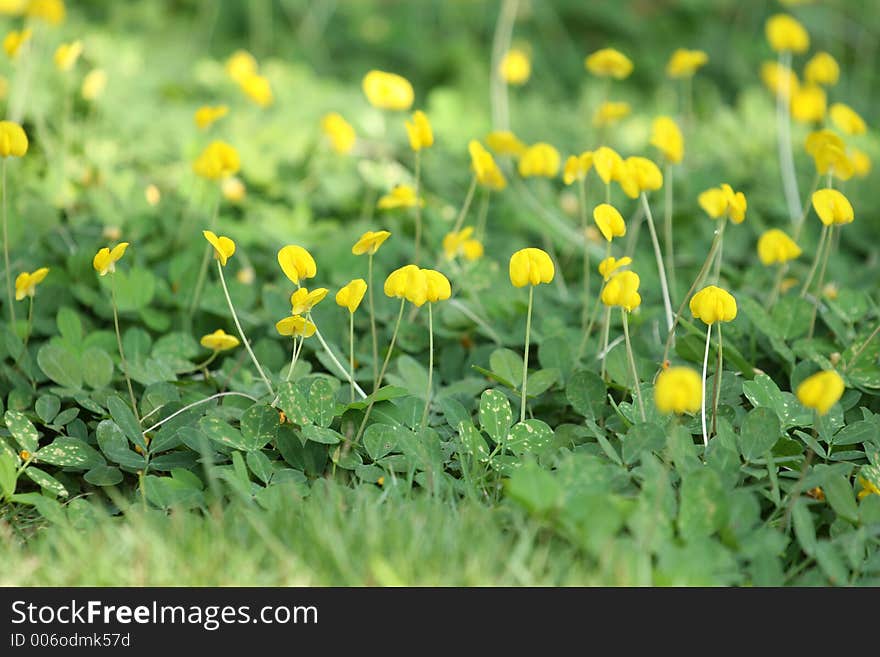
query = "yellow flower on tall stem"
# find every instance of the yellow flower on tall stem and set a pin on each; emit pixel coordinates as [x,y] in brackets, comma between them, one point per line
[218,342]
[15,40]
[207,115]
[299,328]
[530,267]
[369,243]
[350,297]
[339,132]
[623,291]
[26,286]
[421,136]
[678,390]
[712,305]
[821,391]
[609,63]
[775,247]
[13,143]
[666,136]
[388,91]
[822,69]
[847,119]
[539,159]
[488,175]
[575,170]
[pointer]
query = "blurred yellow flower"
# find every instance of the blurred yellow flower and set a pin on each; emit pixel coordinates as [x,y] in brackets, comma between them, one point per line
[398,281]
[13,7]
[611,264]
[610,112]
[67,54]
[258,88]
[530,266]
[847,119]
[515,67]
[419,131]
[219,340]
[829,154]
[504,142]
[607,162]
[785,33]
[577,167]
[861,163]
[609,62]
[678,390]
[296,263]
[13,140]
[302,300]
[152,195]
[822,69]
[778,78]
[832,207]
[723,201]
[684,63]
[639,174]
[105,260]
[93,84]
[233,189]
[388,91]
[667,138]
[351,295]
[485,168]
[223,246]
[295,326]
[808,104]
[370,242]
[13,41]
[50,11]
[539,159]
[869,487]
[400,196]
[219,160]
[622,290]
[462,243]
[774,246]
[240,65]
[609,221]
[339,131]
[26,283]
[821,391]
[712,304]
[207,115]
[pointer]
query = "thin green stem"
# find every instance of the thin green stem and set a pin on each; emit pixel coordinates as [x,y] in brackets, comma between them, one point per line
[469,197]
[716,276]
[658,255]
[6,248]
[336,362]
[124,362]
[637,391]
[194,404]
[858,352]
[806,210]
[200,366]
[241,334]
[203,267]
[418,182]
[525,376]
[351,350]
[777,286]
[484,214]
[821,281]
[703,395]
[667,228]
[605,332]
[582,208]
[716,396]
[430,366]
[819,251]
[372,320]
[783,126]
[294,356]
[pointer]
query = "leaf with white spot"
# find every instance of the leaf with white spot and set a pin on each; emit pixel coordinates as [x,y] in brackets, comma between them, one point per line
[496,417]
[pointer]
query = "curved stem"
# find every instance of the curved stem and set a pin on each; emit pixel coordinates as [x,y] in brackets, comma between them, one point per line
[484,213]
[119,344]
[664,287]
[777,285]
[294,356]
[818,296]
[430,366]
[194,404]
[637,391]
[200,366]
[783,126]
[667,228]
[351,350]
[582,208]
[605,331]
[807,205]
[716,396]
[6,248]
[418,236]
[27,331]
[390,346]
[703,400]
[819,250]
[203,267]
[522,408]
[336,362]
[858,352]
[500,45]
[241,334]
[466,205]
[372,319]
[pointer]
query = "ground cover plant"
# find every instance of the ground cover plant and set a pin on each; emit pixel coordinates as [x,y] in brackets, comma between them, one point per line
[578,295]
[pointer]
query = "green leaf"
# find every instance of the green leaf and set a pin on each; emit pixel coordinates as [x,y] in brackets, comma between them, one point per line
[792,315]
[557,352]
[541,381]
[60,365]
[322,402]
[763,392]
[642,437]
[829,561]
[380,439]
[121,413]
[97,368]
[167,492]
[115,446]
[760,431]
[69,325]
[507,364]
[535,489]
[804,528]
[840,496]
[70,452]
[472,442]
[22,430]
[703,508]
[529,436]
[586,393]
[258,424]
[294,404]
[103,475]
[260,465]
[856,433]
[47,407]
[134,288]
[46,481]
[321,435]
[223,433]
[496,418]
[8,476]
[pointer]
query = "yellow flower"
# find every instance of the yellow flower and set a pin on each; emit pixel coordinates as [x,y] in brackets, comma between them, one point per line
[13,7]
[219,160]
[622,290]
[370,242]
[667,137]
[400,196]
[93,84]
[295,326]
[485,168]
[461,243]
[774,246]
[684,63]
[223,246]
[723,201]
[808,104]
[13,41]
[240,65]
[611,264]
[822,69]
[530,267]
[302,301]
[26,284]
[539,159]
[610,112]
[832,207]
[50,11]
[609,62]
[639,174]
[66,55]
[504,142]
[105,260]
[861,163]
[869,487]
[712,304]
[352,294]
[472,250]
[388,90]
[829,154]
[13,140]
[609,221]
[206,115]
[417,286]
[607,162]
[219,340]
[847,119]
[397,282]
[678,390]
[778,79]
[784,33]
[152,195]
[233,189]
[339,131]
[577,167]
[419,131]
[296,263]
[821,391]
[258,89]
[515,67]
[437,287]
